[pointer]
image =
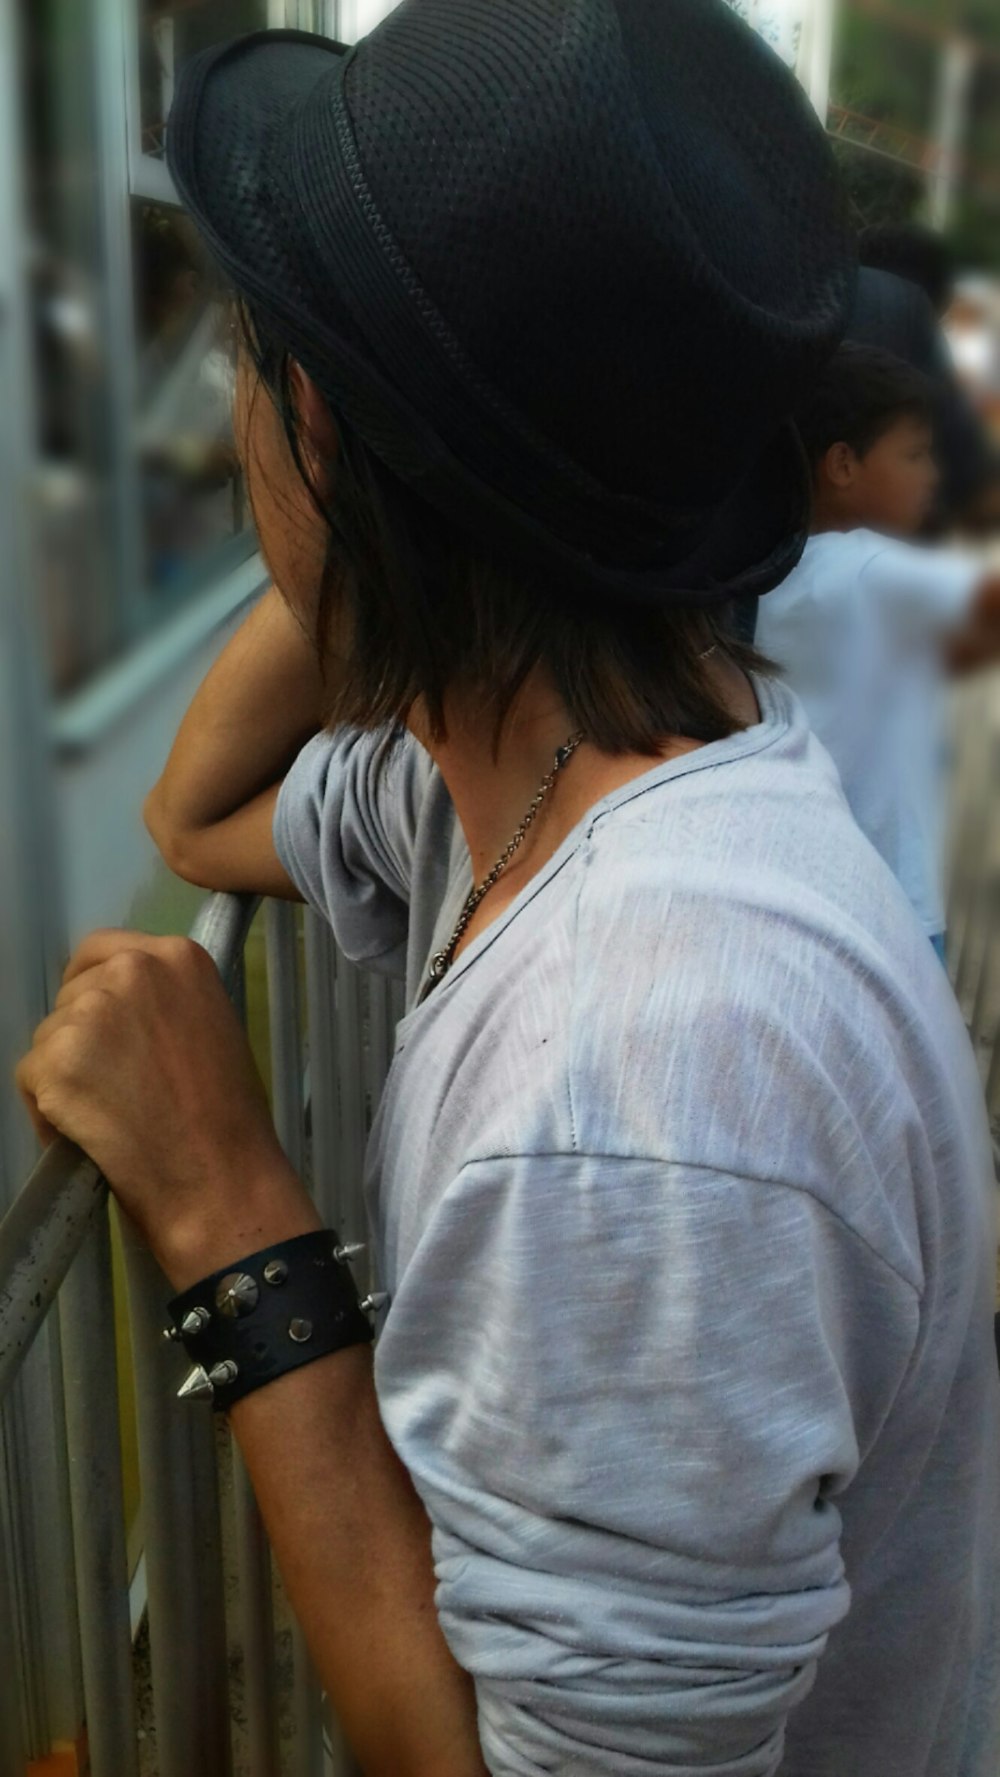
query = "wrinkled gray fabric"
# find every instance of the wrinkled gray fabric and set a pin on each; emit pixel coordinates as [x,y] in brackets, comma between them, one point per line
[681,1189]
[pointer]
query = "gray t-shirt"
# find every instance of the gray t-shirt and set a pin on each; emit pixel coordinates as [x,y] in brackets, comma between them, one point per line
[681,1188]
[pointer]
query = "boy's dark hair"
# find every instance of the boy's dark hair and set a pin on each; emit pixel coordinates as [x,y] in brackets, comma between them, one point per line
[413,607]
[912,251]
[859,396]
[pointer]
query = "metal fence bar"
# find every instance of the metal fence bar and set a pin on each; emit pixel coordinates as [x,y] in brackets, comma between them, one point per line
[12,1758]
[39,1237]
[324,1110]
[86,1313]
[327,1114]
[180,1491]
[350,1081]
[285,1027]
[221,928]
[181,1536]
[256,1619]
[253,1577]
[285,1022]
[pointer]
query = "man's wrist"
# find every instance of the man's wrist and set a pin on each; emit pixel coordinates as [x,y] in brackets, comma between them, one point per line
[248,1215]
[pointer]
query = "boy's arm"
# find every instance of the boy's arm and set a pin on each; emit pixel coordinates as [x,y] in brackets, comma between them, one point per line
[211,811]
[937,598]
[977,642]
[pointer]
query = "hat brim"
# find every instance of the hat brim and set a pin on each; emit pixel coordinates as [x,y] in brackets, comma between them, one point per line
[250,93]
[245,91]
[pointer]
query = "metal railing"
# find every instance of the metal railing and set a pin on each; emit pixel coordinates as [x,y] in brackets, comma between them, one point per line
[55,1252]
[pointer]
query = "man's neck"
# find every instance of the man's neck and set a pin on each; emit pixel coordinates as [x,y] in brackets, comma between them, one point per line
[492,793]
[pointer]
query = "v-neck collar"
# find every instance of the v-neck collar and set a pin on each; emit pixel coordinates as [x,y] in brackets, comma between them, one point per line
[776,711]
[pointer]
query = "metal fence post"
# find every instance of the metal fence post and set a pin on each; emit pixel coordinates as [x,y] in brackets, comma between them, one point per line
[285,1023]
[324,1109]
[12,1762]
[256,1620]
[253,1579]
[86,1319]
[181,1536]
[350,1085]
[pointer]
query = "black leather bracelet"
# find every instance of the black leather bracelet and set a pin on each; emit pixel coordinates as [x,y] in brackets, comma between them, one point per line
[270,1313]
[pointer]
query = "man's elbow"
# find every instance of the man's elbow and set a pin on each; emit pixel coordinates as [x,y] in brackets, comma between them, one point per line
[177,847]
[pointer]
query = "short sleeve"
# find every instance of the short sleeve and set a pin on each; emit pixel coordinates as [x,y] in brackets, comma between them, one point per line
[921,593]
[630,1393]
[345,829]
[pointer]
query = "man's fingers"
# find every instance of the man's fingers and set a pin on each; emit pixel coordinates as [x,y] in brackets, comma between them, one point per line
[92,981]
[26,1079]
[100,946]
[105,946]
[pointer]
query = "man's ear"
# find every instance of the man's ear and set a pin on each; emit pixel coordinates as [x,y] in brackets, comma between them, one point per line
[839,466]
[317,432]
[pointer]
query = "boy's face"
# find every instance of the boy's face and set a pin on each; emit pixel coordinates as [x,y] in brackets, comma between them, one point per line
[891,487]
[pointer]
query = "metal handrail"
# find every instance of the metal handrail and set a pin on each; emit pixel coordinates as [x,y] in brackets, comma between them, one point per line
[55,1249]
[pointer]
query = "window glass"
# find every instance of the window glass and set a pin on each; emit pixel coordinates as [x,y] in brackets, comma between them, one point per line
[172,30]
[194,514]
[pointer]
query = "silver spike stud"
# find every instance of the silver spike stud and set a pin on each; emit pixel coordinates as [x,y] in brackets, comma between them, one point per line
[194,1320]
[275,1272]
[236,1294]
[349,1251]
[373,1302]
[171,1333]
[222,1373]
[196,1386]
[300,1330]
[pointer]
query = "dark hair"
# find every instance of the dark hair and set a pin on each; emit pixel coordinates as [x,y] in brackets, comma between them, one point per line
[415,607]
[858,397]
[912,251]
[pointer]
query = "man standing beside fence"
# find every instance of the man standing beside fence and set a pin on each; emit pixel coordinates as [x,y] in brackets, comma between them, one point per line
[679,1183]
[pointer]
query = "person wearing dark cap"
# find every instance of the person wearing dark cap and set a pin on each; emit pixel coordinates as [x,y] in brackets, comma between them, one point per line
[680,1448]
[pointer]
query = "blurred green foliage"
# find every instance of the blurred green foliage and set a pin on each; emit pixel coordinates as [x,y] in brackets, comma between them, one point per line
[891,74]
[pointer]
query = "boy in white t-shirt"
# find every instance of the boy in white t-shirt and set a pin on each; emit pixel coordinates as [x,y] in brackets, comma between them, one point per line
[866,624]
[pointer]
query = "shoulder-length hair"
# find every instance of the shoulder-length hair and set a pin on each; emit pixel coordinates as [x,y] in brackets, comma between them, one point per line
[416,609]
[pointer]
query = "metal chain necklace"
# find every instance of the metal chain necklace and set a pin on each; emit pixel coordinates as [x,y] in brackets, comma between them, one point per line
[441,963]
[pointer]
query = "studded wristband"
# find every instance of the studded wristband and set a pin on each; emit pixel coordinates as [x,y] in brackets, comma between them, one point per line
[272,1312]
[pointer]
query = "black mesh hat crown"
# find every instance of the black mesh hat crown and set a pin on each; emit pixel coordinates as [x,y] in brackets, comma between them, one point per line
[565,265]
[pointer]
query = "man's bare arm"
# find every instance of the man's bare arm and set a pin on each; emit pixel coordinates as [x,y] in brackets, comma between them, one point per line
[352,1541]
[210,813]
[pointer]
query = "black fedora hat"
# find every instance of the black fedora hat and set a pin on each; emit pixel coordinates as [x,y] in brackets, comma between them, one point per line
[565,265]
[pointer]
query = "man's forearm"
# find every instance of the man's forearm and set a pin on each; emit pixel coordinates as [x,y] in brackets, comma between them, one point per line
[352,1541]
[260,702]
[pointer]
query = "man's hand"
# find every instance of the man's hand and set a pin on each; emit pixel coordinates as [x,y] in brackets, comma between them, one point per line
[144,1064]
